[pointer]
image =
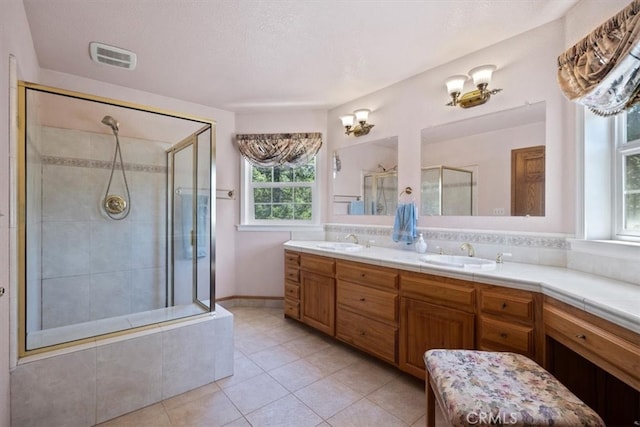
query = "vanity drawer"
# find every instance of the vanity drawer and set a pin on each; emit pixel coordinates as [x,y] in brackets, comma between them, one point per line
[317,264]
[601,346]
[379,304]
[508,302]
[444,291]
[291,258]
[367,274]
[497,335]
[292,274]
[292,309]
[292,291]
[369,335]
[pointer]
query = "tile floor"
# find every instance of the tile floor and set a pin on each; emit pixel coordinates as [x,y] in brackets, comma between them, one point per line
[287,374]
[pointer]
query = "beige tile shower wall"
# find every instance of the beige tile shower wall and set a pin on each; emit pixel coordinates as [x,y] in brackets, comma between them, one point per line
[94,267]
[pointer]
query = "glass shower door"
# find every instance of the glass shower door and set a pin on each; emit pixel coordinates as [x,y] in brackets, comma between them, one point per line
[190,226]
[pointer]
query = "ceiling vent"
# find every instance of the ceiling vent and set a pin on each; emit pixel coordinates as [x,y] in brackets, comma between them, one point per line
[111,55]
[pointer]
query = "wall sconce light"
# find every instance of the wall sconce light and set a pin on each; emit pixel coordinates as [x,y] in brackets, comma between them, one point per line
[361,116]
[481,79]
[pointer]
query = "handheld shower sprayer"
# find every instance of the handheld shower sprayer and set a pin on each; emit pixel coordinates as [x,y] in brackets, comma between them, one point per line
[115,205]
[112,123]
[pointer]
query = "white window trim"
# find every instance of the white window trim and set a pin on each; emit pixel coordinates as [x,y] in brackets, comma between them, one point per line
[621,149]
[247,223]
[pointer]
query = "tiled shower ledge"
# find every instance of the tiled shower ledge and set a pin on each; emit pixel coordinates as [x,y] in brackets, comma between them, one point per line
[79,331]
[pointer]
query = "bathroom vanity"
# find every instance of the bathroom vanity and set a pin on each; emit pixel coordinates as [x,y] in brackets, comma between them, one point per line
[393,306]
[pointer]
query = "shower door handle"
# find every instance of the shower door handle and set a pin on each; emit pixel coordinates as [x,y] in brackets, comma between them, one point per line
[1,291]
[193,238]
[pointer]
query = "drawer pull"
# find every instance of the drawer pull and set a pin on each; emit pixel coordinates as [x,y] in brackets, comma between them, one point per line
[362,299]
[504,305]
[362,274]
[362,333]
[503,334]
[581,337]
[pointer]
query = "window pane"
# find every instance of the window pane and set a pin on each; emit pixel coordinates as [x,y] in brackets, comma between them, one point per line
[262,195]
[282,195]
[632,212]
[282,174]
[302,194]
[262,211]
[632,192]
[633,123]
[282,212]
[632,172]
[261,174]
[303,212]
[306,173]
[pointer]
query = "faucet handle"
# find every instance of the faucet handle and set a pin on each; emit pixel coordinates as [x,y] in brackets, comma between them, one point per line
[501,255]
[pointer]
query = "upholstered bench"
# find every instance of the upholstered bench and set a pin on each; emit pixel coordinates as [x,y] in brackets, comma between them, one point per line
[481,387]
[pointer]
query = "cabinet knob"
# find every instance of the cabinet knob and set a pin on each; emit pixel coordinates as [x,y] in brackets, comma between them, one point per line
[362,274]
[362,299]
[581,336]
[504,305]
[503,335]
[362,333]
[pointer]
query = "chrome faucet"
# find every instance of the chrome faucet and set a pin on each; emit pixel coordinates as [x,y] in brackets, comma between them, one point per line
[352,236]
[469,248]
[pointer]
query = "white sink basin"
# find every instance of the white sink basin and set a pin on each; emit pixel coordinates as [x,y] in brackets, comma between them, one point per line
[459,261]
[341,246]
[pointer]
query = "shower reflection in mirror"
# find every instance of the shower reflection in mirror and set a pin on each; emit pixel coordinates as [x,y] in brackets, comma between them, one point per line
[102,239]
[367,180]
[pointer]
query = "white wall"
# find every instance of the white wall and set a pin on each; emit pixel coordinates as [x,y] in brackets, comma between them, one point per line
[259,255]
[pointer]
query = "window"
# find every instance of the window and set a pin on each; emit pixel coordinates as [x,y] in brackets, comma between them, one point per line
[280,195]
[627,171]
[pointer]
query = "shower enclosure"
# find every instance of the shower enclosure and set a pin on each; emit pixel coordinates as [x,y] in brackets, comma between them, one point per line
[116,217]
[446,191]
[380,191]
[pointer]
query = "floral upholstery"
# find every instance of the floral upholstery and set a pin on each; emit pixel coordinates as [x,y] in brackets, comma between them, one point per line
[481,387]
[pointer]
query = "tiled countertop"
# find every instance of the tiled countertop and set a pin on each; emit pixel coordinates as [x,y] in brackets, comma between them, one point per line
[613,300]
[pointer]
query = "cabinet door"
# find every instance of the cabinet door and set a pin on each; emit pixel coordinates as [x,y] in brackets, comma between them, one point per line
[318,301]
[424,326]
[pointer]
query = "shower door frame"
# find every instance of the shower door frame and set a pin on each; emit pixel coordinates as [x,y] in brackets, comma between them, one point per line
[20,194]
[190,141]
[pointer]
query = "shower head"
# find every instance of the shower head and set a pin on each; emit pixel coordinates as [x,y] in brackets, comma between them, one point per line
[111,122]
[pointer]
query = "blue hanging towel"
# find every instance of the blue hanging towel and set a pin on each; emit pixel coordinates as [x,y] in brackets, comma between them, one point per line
[406,223]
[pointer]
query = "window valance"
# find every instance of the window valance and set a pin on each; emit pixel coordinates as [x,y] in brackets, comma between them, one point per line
[602,71]
[279,149]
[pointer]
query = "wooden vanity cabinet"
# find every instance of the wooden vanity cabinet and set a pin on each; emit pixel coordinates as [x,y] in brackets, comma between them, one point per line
[317,292]
[292,285]
[435,312]
[367,308]
[509,320]
[597,360]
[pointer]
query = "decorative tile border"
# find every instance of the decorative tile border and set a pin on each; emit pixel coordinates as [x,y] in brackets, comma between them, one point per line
[100,164]
[530,240]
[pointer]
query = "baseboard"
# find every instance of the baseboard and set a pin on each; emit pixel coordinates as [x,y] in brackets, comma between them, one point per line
[251,301]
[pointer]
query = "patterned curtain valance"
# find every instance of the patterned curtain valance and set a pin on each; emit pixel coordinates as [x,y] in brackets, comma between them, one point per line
[602,70]
[279,149]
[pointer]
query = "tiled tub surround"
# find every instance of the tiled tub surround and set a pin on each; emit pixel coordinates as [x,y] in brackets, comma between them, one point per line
[613,300]
[94,382]
[93,267]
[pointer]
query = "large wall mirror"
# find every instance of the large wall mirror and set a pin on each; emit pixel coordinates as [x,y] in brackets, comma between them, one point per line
[117,229]
[365,178]
[489,165]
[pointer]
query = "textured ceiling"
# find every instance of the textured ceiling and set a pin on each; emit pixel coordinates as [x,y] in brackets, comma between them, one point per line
[251,55]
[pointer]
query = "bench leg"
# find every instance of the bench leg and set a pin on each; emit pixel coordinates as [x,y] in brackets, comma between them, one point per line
[431,402]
